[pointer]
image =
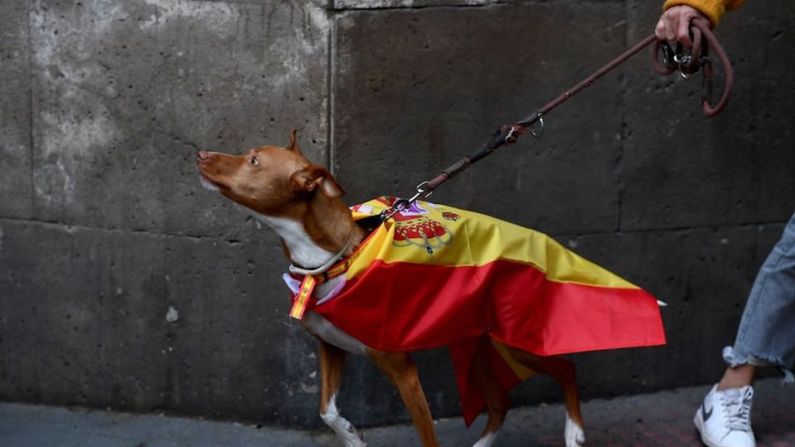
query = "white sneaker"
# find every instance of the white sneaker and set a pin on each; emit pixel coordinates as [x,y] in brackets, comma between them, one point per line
[724,419]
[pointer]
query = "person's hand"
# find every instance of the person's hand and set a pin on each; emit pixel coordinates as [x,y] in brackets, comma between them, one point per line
[674,24]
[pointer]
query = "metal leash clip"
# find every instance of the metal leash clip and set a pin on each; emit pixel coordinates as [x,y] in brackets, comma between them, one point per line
[538,132]
[515,131]
[423,192]
[686,62]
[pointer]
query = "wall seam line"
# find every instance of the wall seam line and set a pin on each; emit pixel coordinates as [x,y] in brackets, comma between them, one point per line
[456,5]
[31,139]
[68,227]
[330,67]
[623,127]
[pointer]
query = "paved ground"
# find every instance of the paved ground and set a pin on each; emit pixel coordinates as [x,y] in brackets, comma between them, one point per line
[660,419]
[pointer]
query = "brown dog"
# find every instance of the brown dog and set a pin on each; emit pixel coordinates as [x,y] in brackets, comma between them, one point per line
[301,202]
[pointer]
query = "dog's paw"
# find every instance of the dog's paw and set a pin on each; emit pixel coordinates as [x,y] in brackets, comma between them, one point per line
[354,439]
[486,441]
[574,435]
[351,437]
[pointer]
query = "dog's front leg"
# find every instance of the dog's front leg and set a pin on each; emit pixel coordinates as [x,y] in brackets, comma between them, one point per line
[401,370]
[332,360]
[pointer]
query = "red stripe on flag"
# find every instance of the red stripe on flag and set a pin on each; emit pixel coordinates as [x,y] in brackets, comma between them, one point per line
[407,307]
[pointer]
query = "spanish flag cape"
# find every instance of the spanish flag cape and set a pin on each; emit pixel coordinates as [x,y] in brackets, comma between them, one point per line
[437,276]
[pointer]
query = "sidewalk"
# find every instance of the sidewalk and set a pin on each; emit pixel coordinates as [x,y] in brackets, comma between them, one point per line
[660,419]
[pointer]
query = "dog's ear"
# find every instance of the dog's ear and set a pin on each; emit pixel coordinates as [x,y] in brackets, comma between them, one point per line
[330,186]
[314,177]
[294,142]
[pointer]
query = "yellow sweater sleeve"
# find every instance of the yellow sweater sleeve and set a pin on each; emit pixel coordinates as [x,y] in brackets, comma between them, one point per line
[713,9]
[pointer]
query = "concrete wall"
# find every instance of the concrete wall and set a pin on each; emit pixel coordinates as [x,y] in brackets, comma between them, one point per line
[105,231]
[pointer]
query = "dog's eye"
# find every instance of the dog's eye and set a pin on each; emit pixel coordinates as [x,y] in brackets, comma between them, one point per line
[253,161]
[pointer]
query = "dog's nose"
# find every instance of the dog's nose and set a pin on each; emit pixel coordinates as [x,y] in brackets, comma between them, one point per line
[202,156]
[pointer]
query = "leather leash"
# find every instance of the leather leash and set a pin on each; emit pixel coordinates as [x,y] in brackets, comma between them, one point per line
[686,62]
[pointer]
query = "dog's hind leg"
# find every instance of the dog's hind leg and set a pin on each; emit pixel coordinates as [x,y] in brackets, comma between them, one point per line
[563,372]
[497,401]
[400,369]
[332,360]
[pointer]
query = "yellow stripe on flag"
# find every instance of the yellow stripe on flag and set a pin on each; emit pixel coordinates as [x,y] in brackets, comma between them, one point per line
[474,239]
[521,371]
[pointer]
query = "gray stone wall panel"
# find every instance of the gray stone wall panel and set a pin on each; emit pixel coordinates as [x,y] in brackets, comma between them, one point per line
[774,108]
[703,171]
[412,97]
[147,322]
[15,182]
[127,92]
[89,324]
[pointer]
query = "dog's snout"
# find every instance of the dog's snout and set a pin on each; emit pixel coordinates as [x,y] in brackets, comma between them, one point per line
[202,156]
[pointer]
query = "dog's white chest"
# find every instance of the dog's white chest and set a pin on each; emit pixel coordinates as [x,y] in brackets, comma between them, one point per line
[317,325]
[303,250]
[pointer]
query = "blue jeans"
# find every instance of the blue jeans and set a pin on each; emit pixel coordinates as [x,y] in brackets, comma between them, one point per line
[767,330]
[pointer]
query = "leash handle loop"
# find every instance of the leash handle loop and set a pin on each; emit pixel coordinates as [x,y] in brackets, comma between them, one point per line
[728,71]
[697,59]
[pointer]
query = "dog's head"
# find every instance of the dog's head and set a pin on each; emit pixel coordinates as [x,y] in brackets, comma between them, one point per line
[269,180]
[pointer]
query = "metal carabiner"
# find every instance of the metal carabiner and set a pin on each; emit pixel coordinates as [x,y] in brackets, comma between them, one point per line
[540,132]
[400,204]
